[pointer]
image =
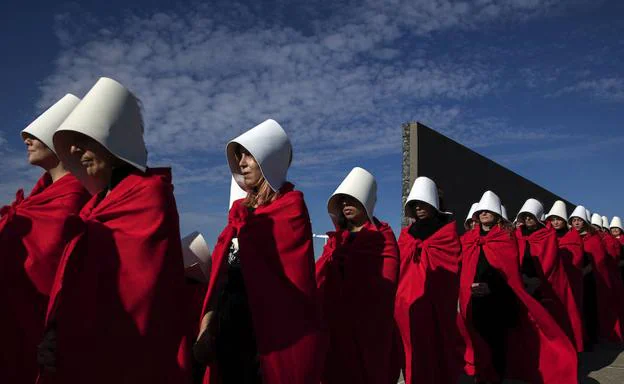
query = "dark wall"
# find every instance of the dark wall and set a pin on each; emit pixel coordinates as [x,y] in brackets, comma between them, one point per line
[464,175]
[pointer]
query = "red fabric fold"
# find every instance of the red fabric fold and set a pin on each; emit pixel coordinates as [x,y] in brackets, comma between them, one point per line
[33,233]
[612,246]
[357,284]
[194,296]
[571,255]
[426,306]
[555,290]
[117,303]
[277,261]
[609,289]
[538,350]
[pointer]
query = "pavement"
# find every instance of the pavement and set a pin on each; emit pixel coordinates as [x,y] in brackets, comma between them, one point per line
[603,365]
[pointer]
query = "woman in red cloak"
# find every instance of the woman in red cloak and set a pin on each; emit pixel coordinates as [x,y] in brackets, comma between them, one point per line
[33,232]
[508,334]
[117,308]
[543,271]
[617,230]
[570,252]
[603,291]
[261,321]
[357,278]
[426,301]
[612,246]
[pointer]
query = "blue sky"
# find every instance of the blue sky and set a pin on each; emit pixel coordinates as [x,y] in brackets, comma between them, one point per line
[538,86]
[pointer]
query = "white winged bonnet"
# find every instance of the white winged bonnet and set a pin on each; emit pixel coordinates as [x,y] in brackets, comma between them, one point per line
[581,213]
[47,123]
[533,207]
[269,145]
[111,115]
[359,184]
[559,210]
[424,189]
[596,219]
[489,202]
[616,222]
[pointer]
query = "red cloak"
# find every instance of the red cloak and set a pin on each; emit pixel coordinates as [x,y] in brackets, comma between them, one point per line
[426,306]
[538,350]
[357,283]
[33,233]
[195,293]
[277,261]
[571,255]
[117,304]
[612,246]
[609,289]
[555,289]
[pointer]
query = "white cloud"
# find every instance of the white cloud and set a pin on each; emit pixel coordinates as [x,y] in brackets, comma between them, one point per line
[203,78]
[562,152]
[607,89]
[205,74]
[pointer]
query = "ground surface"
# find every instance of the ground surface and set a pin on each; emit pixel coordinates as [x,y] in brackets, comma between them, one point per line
[604,365]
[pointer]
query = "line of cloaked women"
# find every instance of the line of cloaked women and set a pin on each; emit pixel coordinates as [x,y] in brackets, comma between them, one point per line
[96,285]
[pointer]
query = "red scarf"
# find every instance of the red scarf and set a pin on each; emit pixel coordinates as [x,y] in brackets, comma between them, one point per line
[536,334]
[426,306]
[357,285]
[118,298]
[277,261]
[33,233]
[556,291]
[609,289]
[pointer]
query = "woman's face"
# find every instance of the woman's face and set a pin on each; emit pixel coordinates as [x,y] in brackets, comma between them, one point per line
[94,158]
[422,210]
[529,220]
[557,222]
[578,223]
[487,218]
[352,210]
[616,232]
[38,153]
[249,168]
